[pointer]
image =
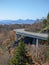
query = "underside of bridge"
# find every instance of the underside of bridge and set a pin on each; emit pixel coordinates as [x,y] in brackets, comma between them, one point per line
[30,40]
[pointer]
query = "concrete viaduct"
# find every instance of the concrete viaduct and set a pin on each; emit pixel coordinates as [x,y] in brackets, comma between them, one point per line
[38,36]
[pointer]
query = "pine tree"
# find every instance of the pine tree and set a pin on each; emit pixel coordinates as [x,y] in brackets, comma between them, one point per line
[20,57]
[48,19]
[48,26]
[44,23]
[48,16]
[48,35]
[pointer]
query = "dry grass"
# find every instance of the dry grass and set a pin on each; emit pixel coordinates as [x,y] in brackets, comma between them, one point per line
[6,39]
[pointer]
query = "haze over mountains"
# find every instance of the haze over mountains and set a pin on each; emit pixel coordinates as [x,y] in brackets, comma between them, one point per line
[19,21]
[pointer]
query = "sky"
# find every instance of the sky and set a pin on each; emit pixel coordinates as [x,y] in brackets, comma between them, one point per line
[23,9]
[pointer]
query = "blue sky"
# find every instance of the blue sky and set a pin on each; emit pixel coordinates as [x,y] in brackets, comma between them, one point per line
[23,9]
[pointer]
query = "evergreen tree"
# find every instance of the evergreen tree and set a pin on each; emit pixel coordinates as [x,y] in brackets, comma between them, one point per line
[48,34]
[44,23]
[48,26]
[48,16]
[48,19]
[20,57]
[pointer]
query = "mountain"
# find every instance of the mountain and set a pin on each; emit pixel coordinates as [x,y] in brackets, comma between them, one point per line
[19,21]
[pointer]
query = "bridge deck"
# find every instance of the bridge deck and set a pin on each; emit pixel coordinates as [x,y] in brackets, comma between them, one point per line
[31,34]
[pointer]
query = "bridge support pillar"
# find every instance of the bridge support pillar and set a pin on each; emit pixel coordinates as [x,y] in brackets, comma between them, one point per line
[36,47]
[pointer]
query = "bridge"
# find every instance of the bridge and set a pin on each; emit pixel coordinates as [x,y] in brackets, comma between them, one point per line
[22,32]
[37,36]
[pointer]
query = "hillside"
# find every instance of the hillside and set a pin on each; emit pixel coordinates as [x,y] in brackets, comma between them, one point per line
[8,38]
[36,27]
[45,28]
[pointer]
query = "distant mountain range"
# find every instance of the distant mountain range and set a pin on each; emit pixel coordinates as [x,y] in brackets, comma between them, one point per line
[19,21]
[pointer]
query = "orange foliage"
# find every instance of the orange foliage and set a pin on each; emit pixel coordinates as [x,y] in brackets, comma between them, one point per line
[12,52]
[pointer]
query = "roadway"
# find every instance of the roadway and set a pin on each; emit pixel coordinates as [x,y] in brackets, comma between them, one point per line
[22,32]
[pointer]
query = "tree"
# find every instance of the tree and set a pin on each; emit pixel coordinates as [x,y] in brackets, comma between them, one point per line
[48,26]
[44,23]
[20,57]
[48,16]
[48,39]
[48,19]
[48,35]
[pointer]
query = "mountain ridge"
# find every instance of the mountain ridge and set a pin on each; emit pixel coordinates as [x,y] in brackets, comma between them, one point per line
[19,21]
